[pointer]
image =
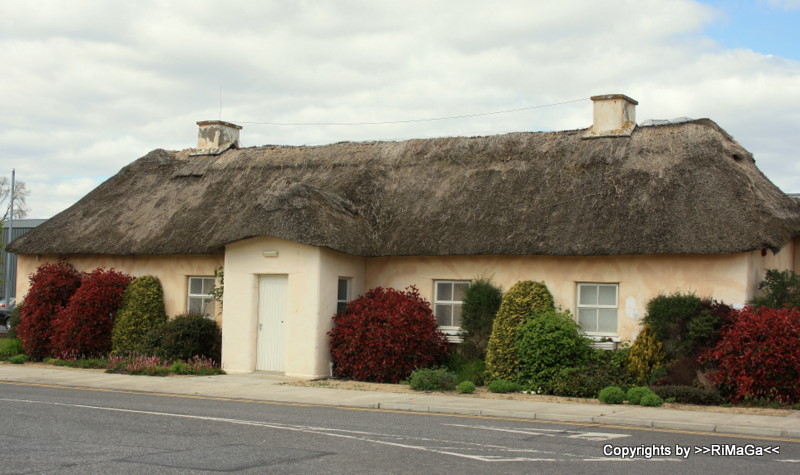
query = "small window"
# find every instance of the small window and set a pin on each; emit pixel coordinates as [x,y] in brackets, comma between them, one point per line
[447,301]
[597,308]
[342,294]
[200,299]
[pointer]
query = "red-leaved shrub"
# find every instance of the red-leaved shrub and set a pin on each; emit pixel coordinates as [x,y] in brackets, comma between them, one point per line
[83,327]
[52,285]
[384,335]
[758,356]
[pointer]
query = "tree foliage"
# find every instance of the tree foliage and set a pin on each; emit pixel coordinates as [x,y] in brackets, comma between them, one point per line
[779,289]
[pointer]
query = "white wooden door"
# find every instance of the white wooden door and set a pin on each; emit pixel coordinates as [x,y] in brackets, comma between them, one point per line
[271,341]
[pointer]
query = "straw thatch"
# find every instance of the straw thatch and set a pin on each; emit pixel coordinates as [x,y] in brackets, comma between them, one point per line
[677,188]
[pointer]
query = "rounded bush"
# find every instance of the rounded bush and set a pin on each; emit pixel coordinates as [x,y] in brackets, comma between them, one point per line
[384,335]
[612,395]
[547,344]
[83,327]
[52,285]
[758,356]
[522,300]
[504,386]
[635,394]
[189,335]
[141,312]
[429,379]
[466,387]
[689,395]
[651,400]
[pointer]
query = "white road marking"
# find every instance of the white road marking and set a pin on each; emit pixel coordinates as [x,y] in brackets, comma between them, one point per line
[570,434]
[375,438]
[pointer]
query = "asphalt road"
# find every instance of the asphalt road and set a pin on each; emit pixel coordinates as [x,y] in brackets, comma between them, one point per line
[52,429]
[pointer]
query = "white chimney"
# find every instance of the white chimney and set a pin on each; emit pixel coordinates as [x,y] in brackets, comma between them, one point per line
[614,116]
[216,136]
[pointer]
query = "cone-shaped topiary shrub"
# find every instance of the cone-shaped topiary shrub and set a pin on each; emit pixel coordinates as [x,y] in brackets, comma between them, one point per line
[83,327]
[646,356]
[524,299]
[52,285]
[384,335]
[481,303]
[141,312]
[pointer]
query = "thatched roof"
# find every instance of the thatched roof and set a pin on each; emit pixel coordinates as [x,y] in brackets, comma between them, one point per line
[676,188]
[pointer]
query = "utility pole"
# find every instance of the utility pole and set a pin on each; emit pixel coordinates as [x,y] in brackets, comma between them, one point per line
[7,266]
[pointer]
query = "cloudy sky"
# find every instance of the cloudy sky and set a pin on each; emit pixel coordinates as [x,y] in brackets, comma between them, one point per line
[86,87]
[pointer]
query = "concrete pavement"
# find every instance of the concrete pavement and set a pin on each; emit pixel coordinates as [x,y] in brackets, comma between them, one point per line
[269,387]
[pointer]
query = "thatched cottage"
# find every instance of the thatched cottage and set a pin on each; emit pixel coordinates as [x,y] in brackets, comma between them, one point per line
[607,217]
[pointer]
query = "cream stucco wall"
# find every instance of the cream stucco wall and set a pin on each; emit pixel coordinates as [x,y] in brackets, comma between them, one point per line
[312,283]
[172,271]
[731,278]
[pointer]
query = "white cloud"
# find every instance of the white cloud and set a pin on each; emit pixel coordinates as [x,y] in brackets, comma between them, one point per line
[84,97]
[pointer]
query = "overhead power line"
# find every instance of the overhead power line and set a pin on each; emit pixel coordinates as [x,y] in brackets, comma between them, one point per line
[383,122]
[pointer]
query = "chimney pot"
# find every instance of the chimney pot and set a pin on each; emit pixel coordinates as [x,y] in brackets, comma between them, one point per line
[614,116]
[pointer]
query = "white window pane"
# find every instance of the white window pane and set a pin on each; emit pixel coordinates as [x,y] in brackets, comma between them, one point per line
[209,307]
[587,319]
[607,320]
[208,284]
[459,289]
[588,294]
[444,291]
[443,315]
[607,295]
[196,305]
[195,286]
[342,291]
[340,307]
[457,316]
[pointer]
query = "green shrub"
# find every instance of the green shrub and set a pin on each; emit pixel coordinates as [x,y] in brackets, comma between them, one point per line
[429,379]
[465,369]
[646,356]
[612,395]
[635,394]
[605,368]
[689,395]
[19,359]
[651,400]
[504,386]
[466,387]
[685,324]
[481,303]
[189,335]
[11,347]
[546,344]
[523,300]
[141,312]
[779,289]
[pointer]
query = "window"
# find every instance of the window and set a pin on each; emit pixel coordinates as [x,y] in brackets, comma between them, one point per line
[342,294]
[200,299]
[597,308]
[447,301]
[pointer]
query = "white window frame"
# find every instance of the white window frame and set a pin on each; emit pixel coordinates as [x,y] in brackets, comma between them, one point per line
[341,304]
[206,297]
[598,306]
[453,332]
